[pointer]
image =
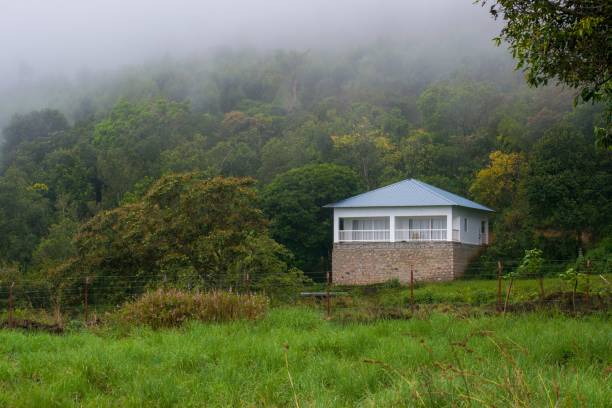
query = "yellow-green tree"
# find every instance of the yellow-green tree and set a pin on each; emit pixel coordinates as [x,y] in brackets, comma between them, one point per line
[497,184]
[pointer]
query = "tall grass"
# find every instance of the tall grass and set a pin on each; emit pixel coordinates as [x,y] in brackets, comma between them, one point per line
[517,360]
[173,307]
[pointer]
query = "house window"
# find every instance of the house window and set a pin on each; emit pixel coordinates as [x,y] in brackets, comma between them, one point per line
[465,224]
[483,227]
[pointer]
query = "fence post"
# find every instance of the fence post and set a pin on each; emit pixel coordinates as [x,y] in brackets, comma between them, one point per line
[327,295]
[10,305]
[412,290]
[85,299]
[248,283]
[500,270]
[508,293]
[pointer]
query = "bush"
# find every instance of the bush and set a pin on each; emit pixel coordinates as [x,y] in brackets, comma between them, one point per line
[283,287]
[173,307]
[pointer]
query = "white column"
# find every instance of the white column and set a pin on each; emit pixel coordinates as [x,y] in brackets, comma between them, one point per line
[392,228]
[336,227]
[449,224]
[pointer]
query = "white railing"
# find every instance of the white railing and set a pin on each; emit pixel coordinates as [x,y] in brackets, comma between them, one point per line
[420,234]
[364,235]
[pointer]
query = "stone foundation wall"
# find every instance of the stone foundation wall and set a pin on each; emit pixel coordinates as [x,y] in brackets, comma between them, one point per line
[376,262]
[463,254]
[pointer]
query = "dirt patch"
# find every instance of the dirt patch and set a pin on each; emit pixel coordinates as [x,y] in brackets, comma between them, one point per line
[32,325]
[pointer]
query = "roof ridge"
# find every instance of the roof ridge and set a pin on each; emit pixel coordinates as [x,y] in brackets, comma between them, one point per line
[426,186]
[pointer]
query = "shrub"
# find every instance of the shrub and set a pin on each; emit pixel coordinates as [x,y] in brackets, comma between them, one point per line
[173,307]
[283,287]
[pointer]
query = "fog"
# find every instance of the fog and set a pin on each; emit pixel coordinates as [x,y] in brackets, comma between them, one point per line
[53,37]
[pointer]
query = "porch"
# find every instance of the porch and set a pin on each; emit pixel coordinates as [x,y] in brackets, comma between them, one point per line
[395,229]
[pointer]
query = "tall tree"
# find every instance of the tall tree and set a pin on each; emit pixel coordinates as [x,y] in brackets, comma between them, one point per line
[25,215]
[569,184]
[294,202]
[131,140]
[29,127]
[497,184]
[184,225]
[368,149]
[566,40]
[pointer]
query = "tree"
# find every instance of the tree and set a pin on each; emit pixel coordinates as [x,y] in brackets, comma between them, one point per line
[29,127]
[367,148]
[208,230]
[191,155]
[294,202]
[70,178]
[497,184]
[457,108]
[57,246]
[131,140]
[569,184]
[566,40]
[235,159]
[25,215]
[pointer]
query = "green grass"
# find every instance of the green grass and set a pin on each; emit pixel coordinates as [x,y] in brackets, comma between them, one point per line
[475,292]
[517,360]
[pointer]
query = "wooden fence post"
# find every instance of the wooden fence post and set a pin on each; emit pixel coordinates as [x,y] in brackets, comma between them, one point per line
[10,305]
[412,290]
[541,283]
[508,294]
[327,295]
[500,270]
[85,299]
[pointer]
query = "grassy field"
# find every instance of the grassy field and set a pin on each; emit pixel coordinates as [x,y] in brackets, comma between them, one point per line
[516,360]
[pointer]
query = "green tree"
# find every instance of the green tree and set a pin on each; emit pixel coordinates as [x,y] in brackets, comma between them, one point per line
[369,150]
[131,140]
[294,202]
[564,40]
[569,184]
[185,225]
[457,108]
[29,127]
[25,214]
[57,246]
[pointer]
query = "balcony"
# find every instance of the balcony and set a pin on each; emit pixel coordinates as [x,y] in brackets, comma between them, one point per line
[392,229]
[420,234]
[364,235]
[384,235]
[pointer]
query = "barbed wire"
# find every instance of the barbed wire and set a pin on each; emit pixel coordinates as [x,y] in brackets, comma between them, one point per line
[482,282]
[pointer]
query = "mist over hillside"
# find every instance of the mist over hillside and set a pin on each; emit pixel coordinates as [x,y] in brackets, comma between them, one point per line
[75,51]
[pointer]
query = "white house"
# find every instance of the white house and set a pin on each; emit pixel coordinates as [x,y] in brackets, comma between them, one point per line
[382,234]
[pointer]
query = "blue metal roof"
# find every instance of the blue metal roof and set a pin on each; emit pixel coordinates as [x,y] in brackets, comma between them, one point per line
[407,193]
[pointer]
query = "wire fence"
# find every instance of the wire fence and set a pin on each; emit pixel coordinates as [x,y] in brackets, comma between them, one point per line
[491,286]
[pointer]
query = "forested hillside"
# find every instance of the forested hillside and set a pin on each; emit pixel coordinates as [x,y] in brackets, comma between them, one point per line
[309,127]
